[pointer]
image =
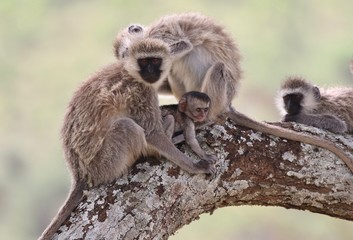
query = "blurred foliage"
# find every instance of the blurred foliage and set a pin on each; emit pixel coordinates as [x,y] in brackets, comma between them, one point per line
[49,46]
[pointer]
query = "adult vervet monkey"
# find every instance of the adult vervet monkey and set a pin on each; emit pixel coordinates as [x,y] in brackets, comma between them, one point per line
[327,108]
[208,61]
[113,119]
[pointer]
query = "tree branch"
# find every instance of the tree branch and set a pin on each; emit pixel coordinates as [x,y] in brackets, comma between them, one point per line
[156,198]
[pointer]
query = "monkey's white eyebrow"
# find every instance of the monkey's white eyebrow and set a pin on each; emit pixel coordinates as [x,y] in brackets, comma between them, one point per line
[290,91]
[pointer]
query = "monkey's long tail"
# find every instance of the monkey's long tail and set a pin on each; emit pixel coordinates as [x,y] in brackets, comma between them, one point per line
[74,198]
[245,121]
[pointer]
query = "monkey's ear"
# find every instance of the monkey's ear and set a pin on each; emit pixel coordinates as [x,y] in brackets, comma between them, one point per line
[182,104]
[317,93]
[180,48]
[135,28]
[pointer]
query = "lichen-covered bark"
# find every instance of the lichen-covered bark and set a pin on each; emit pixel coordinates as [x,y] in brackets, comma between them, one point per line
[156,198]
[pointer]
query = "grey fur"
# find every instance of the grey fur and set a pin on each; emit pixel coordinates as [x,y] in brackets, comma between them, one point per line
[333,111]
[112,120]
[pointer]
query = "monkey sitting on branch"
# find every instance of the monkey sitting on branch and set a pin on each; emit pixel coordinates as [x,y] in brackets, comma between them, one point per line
[190,113]
[113,119]
[330,109]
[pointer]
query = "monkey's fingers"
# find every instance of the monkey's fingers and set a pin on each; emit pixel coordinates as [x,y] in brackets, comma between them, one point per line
[206,166]
[211,158]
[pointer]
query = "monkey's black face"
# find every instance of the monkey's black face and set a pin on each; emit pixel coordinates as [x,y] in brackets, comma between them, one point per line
[150,69]
[292,103]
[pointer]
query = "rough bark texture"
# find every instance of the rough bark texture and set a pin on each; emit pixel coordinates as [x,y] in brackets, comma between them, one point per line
[156,198]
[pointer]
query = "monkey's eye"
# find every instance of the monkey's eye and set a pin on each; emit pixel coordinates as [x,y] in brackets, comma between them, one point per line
[142,61]
[205,109]
[298,97]
[156,61]
[198,110]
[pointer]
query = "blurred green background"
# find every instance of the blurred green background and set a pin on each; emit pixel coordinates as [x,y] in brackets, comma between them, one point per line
[49,46]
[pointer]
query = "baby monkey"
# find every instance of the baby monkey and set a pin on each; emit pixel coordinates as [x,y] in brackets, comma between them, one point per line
[330,109]
[185,117]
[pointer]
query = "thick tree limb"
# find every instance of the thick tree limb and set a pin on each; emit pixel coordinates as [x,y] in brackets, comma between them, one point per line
[156,198]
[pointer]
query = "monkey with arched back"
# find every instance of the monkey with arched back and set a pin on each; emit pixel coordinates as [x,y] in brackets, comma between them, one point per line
[208,60]
[113,119]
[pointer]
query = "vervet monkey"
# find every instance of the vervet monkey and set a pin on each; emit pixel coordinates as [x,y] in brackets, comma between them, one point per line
[191,110]
[113,119]
[330,109]
[208,61]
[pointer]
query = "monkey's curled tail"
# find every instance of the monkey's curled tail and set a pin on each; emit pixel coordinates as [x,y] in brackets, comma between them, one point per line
[74,198]
[245,121]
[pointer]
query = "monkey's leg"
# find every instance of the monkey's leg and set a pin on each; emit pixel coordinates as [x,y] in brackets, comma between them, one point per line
[169,125]
[215,86]
[123,144]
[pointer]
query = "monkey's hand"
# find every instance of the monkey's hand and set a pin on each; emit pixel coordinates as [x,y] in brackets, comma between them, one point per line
[210,158]
[180,48]
[206,166]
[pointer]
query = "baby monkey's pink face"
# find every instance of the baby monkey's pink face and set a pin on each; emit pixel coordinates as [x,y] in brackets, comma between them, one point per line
[195,105]
[198,110]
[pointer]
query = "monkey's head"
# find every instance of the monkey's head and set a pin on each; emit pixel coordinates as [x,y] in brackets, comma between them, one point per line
[297,95]
[148,61]
[125,38]
[195,105]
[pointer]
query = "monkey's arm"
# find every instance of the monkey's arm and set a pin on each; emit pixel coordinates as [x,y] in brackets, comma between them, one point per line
[168,122]
[180,138]
[159,142]
[190,138]
[324,121]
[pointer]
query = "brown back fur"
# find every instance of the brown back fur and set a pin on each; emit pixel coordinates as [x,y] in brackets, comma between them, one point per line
[338,102]
[107,96]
